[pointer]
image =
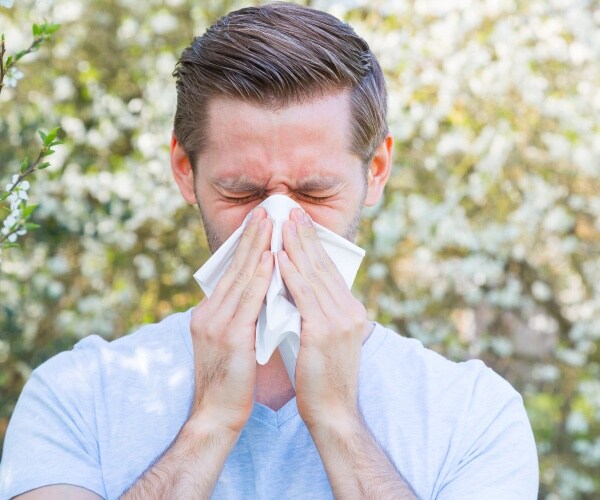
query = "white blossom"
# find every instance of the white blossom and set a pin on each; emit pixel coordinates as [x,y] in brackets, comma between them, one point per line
[13,76]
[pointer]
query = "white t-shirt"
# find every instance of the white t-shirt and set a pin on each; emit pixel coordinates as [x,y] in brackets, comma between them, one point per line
[97,416]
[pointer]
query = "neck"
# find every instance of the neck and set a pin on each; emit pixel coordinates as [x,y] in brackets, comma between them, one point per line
[273,386]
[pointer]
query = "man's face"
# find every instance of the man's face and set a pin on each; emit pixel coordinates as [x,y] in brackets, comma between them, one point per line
[302,151]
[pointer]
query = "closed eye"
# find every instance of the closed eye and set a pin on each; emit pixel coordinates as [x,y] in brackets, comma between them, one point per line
[314,199]
[243,199]
[247,199]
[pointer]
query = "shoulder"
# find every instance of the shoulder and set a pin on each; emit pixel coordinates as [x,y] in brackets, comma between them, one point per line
[404,358]
[62,414]
[98,374]
[393,356]
[152,343]
[472,416]
[170,333]
[459,391]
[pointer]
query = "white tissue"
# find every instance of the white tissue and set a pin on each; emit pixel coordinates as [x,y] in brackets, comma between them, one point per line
[279,321]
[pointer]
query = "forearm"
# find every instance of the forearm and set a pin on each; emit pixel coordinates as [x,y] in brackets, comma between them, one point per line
[356,465]
[190,467]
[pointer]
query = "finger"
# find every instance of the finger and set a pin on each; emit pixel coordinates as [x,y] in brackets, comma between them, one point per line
[293,246]
[330,292]
[321,288]
[304,295]
[245,244]
[324,287]
[253,295]
[253,242]
[246,274]
[313,248]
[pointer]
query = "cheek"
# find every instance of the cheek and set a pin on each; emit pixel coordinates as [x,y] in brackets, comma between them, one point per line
[328,216]
[230,217]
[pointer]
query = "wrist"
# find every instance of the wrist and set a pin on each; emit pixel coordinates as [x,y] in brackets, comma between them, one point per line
[201,427]
[336,425]
[225,419]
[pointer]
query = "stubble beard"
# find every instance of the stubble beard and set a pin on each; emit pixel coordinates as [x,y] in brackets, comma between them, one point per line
[214,242]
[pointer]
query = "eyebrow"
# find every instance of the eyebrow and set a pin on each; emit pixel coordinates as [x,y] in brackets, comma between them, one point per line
[238,184]
[308,184]
[318,183]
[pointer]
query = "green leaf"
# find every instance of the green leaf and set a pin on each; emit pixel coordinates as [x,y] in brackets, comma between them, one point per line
[10,245]
[36,29]
[51,28]
[4,196]
[42,135]
[29,226]
[9,61]
[28,210]
[51,135]
[44,165]
[24,165]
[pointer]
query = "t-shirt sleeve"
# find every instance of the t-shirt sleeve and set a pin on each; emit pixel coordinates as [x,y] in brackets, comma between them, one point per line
[498,457]
[51,437]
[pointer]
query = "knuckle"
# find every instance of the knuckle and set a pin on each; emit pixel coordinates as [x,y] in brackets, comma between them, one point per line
[345,325]
[356,320]
[313,276]
[211,331]
[233,267]
[256,244]
[240,277]
[324,264]
[305,289]
[247,295]
[262,272]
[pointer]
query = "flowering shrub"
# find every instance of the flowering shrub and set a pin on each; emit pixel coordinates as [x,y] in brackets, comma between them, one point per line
[16,193]
[486,244]
[16,223]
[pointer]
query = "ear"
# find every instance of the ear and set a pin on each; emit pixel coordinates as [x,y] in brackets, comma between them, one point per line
[379,171]
[182,171]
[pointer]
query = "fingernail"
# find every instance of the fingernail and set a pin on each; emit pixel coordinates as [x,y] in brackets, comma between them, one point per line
[255,214]
[293,230]
[305,219]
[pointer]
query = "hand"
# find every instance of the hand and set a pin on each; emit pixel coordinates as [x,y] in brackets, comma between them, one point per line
[223,329]
[333,325]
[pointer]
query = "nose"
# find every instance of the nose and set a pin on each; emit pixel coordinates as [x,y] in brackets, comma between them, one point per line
[280,188]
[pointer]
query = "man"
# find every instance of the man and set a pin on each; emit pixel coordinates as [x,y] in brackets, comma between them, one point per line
[277,99]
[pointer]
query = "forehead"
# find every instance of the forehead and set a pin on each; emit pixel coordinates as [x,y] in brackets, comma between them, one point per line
[306,139]
[330,114]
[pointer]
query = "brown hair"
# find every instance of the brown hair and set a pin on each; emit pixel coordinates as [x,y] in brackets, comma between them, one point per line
[276,55]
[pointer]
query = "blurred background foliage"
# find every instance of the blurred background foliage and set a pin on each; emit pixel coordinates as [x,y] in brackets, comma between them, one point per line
[487,244]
